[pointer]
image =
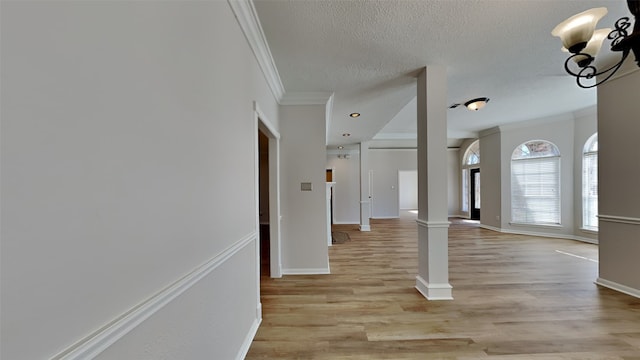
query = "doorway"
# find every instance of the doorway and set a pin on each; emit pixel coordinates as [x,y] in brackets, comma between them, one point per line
[263,203]
[267,180]
[408,189]
[475,194]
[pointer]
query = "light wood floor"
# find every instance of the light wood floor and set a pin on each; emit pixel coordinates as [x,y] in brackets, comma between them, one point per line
[516,297]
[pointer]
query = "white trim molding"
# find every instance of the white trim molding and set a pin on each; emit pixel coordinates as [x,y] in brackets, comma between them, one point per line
[433,224]
[489,227]
[586,239]
[619,219]
[433,291]
[305,271]
[249,22]
[262,119]
[540,234]
[246,344]
[618,287]
[365,228]
[307,98]
[94,344]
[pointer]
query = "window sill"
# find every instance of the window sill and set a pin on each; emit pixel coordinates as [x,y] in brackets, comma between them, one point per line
[589,231]
[549,226]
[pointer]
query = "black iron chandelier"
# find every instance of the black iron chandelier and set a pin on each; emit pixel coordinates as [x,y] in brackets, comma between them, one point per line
[580,38]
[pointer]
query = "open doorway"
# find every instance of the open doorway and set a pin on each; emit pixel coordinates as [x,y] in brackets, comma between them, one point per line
[263,203]
[408,189]
[475,194]
[267,197]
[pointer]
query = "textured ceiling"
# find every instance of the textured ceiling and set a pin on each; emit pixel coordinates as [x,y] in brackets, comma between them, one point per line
[368,53]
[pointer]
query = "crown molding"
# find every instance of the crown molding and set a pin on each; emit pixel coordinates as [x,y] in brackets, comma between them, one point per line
[396,136]
[307,98]
[247,17]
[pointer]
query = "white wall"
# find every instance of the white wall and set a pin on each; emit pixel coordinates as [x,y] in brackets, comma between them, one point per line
[304,213]
[569,132]
[128,154]
[346,191]
[408,189]
[492,179]
[619,193]
[385,164]
[586,124]
[559,131]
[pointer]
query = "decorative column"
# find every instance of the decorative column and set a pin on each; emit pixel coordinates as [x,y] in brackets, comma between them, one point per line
[433,225]
[365,191]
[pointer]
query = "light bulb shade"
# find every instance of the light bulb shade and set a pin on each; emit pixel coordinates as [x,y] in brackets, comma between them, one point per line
[592,48]
[476,104]
[576,31]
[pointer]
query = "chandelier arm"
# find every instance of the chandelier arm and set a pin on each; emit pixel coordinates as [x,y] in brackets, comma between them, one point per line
[619,33]
[590,72]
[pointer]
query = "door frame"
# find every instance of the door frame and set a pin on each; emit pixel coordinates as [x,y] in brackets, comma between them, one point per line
[474,214]
[265,126]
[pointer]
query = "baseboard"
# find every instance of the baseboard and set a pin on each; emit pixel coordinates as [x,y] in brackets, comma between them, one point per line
[541,234]
[433,291]
[365,227]
[246,344]
[386,217]
[585,239]
[95,343]
[305,271]
[346,222]
[492,228]
[618,287]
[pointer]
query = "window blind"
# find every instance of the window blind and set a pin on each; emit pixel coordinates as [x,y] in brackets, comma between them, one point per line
[535,190]
[465,190]
[590,191]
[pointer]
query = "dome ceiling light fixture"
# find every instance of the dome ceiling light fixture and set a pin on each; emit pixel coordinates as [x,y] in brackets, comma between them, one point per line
[473,104]
[476,104]
[354,115]
[579,37]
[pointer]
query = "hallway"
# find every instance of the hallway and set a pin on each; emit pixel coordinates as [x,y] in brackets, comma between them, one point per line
[516,297]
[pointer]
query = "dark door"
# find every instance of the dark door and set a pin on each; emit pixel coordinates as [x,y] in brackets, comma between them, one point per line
[475,194]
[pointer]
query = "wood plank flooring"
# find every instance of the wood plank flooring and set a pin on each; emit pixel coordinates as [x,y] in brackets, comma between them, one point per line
[515,297]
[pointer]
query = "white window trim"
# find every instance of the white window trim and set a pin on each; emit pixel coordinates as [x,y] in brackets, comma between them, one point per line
[518,222]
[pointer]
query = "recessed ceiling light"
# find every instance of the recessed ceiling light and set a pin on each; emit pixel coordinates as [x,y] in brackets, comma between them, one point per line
[346,134]
[340,147]
[354,115]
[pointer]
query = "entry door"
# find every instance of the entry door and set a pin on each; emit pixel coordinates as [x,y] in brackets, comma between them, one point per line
[475,194]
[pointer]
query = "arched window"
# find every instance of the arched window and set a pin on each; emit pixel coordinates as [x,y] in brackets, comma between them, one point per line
[471,159]
[472,155]
[535,183]
[590,184]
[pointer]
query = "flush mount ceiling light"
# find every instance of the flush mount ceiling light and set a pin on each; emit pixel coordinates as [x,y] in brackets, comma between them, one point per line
[579,37]
[476,104]
[354,115]
[473,104]
[346,134]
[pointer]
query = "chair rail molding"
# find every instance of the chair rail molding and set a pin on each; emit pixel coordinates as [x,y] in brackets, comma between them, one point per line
[619,219]
[95,343]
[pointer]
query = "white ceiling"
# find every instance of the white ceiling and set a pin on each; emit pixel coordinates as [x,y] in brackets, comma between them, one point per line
[368,53]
